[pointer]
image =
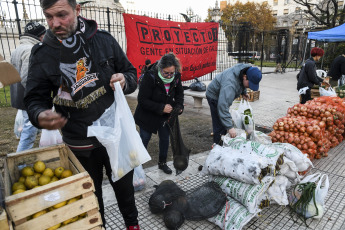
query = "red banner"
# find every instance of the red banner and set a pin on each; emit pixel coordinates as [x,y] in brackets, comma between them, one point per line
[195,44]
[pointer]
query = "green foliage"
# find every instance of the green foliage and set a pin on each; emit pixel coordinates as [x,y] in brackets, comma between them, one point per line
[5,97]
[332,51]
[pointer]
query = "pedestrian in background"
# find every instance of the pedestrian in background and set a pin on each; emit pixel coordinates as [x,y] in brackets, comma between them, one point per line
[308,77]
[337,70]
[160,92]
[223,90]
[75,70]
[146,67]
[279,63]
[33,34]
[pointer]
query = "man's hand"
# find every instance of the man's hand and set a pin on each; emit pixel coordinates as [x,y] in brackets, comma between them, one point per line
[325,83]
[232,132]
[117,77]
[245,97]
[167,108]
[51,120]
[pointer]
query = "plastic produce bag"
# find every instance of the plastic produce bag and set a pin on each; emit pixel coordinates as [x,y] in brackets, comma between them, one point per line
[308,197]
[236,117]
[240,165]
[244,108]
[233,216]
[248,124]
[50,137]
[197,86]
[251,196]
[139,178]
[116,131]
[18,123]
[327,92]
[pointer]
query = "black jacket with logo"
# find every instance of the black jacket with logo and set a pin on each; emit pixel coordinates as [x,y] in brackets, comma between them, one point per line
[152,98]
[44,79]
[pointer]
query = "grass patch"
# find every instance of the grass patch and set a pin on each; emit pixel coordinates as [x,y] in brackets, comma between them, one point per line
[5,97]
[272,64]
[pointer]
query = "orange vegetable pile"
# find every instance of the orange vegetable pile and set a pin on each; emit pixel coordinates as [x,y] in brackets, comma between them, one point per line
[314,127]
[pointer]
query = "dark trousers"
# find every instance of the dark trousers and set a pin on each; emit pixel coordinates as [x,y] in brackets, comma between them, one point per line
[123,188]
[306,97]
[163,134]
[218,128]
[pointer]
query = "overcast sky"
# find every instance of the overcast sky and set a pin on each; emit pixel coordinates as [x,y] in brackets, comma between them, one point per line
[173,7]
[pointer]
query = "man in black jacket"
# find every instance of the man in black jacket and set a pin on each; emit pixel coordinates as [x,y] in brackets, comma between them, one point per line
[74,69]
[308,77]
[337,69]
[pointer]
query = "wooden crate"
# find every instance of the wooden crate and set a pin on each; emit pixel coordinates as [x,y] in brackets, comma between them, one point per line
[253,95]
[20,207]
[315,93]
[4,222]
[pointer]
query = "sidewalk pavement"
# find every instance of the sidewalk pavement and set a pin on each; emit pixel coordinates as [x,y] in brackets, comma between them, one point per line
[277,93]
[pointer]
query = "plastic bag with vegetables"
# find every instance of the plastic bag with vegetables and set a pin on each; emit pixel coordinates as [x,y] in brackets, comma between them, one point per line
[307,198]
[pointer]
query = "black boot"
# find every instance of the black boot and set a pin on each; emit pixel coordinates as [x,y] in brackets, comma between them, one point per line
[164,167]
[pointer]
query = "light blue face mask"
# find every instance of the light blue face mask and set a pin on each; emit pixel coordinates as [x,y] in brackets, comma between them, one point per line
[165,80]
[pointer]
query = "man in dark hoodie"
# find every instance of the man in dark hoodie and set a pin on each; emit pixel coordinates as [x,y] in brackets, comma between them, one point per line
[74,69]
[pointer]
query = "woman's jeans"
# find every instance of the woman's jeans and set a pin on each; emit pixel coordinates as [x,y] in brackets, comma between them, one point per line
[218,128]
[163,133]
[28,134]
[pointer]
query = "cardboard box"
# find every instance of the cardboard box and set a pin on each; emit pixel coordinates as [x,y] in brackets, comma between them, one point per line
[9,75]
[20,207]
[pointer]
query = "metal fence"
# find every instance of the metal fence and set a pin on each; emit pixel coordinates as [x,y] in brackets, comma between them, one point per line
[15,15]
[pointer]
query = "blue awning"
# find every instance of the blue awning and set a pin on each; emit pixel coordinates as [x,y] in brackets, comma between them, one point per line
[336,34]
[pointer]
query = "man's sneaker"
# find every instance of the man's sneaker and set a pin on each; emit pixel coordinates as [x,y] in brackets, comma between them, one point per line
[164,167]
[136,227]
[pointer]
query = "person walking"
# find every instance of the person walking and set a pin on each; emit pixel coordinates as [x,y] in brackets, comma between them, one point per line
[75,69]
[160,92]
[337,70]
[223,90]
[279,63]
[33,34]
[308,77]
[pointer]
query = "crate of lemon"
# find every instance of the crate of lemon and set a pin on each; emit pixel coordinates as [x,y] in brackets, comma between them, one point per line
[48,188]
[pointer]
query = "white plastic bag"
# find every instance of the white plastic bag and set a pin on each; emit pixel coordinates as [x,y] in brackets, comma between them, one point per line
[244,106]
[117,133]
[248,124]
[237,118]
[327,92]
[139,178]
[18,123]
[313,210]
[50,137]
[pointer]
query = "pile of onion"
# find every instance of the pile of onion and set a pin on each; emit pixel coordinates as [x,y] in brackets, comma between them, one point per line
[313,127]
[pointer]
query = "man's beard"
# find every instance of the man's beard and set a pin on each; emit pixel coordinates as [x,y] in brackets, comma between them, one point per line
[70,30]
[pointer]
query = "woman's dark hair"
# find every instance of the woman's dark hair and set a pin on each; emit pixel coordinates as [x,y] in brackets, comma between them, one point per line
[168,60]
[46,4]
